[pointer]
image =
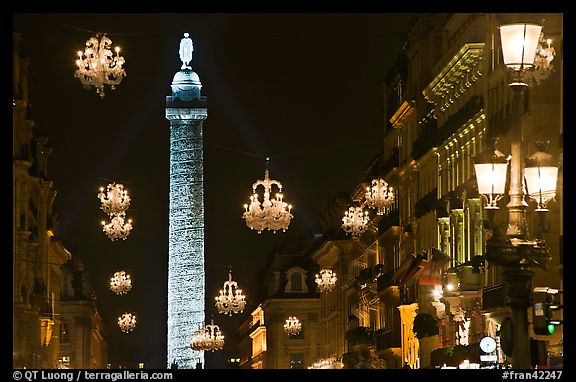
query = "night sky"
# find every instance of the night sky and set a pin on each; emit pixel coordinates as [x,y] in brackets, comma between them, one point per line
[303,89]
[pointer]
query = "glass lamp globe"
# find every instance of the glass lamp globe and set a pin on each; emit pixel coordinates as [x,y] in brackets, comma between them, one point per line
[519,43]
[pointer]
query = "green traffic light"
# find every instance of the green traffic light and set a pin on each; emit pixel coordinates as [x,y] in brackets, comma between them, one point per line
[551,328]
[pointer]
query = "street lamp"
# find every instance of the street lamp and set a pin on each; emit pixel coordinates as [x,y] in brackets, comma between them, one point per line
[541,177]
[515,252]
[491,168]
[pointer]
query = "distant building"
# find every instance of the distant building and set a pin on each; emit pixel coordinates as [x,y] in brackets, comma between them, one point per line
[42,315]
[82,345]
[290,291]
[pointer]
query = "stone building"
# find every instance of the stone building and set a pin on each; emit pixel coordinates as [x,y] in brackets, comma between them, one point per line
[289,291]
[445,98]
[40,311]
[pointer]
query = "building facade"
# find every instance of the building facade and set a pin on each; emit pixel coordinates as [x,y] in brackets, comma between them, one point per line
[417,279]
[415,289]
[40,304]
[290,292]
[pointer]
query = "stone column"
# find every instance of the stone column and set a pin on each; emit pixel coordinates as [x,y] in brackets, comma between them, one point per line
[186,110]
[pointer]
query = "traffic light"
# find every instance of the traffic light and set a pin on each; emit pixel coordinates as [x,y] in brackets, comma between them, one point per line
[545,302]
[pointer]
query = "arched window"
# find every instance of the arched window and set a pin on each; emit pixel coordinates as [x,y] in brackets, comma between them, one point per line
[296,277]
[296,282]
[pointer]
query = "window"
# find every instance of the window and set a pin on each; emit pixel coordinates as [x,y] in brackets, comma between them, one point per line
[296,282]
[64,333]
[297,336]
[296,360]
[64,362]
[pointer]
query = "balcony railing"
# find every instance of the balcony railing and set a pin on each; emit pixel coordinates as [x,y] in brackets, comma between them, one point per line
[389,220]
[456,120]
[426,140]
[360,336]
[387,339]
[392,162]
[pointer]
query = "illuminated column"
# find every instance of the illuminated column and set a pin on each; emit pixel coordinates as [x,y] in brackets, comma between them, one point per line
[410,348]
[186,111]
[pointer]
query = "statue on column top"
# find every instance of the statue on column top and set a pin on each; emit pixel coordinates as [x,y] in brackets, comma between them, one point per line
[186,49]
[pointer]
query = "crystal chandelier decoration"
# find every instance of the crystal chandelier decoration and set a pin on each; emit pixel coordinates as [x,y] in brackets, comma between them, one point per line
[127,322]
[326,279]
[231,299]
[545,54]
[355,221]
[120,283]
[380,196]
[97,65]
[292,326]
[115,200]
[118,228]
[327,363]
[207,337]
[272,214]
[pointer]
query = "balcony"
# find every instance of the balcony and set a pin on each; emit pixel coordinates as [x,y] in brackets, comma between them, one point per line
[470,278]
[456,120]
[426,140]
[391,163]
[387,339]
[408,295]
[388,289]
[389,220]
[360,336]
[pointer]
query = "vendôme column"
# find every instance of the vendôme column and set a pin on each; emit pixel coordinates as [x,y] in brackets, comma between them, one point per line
[186,110]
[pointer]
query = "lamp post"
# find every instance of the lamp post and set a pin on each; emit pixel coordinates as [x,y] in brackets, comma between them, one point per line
[514,251]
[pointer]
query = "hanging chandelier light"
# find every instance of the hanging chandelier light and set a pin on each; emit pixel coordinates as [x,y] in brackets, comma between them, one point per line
[127,322]
[293,326]
[120,283]
[326,280]
[271,214]
[545,54]
[97,66]
[327,363]
[118,228]
[115,200]
[355,221]
[207,337]
[380,196]
[231,299]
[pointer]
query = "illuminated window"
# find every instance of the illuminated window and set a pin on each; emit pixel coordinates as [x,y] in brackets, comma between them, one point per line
[296,360]
[64,333]
[297,336]
[64,362]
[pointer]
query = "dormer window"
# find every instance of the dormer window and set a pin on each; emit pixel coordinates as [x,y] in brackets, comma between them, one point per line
[296,277]
[296,282]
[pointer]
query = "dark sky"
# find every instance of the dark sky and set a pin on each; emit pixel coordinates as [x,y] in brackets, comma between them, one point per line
[304,89]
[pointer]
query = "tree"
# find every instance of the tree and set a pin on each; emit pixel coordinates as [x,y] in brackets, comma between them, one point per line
[424,326]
